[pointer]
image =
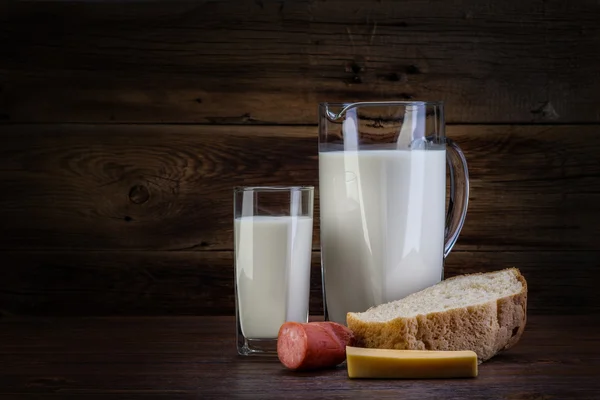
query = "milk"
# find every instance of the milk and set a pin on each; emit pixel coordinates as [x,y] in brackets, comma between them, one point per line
[273,257]
[382,225]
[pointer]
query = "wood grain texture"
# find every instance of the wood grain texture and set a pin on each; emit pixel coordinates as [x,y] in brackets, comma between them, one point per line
[201,282]
[179,358]
[139,187]
[169,187]
[271,61]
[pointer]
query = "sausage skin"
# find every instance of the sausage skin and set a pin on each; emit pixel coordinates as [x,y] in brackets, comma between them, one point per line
[313,345]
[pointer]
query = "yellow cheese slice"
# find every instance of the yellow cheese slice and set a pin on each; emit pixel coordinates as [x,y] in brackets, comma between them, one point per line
[410,364]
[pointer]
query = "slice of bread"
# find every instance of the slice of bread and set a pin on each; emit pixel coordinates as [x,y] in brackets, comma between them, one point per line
[484,312]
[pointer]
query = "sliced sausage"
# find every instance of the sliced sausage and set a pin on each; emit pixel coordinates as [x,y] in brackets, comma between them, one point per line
[313,345]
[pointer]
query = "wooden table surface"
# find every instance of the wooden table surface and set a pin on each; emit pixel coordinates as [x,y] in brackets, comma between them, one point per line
[195,357]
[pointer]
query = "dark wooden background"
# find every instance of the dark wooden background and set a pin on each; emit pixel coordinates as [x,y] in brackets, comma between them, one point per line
[124,126]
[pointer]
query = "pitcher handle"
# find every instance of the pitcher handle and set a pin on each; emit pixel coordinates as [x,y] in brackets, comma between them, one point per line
[459,194]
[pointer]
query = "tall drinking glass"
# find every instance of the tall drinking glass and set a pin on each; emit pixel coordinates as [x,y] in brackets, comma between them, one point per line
[273,244]
[382,183]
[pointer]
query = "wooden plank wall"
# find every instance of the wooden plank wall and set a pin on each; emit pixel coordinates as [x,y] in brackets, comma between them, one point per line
[125,125]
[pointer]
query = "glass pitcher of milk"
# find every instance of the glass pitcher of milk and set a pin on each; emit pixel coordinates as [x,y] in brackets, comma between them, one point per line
[382,183]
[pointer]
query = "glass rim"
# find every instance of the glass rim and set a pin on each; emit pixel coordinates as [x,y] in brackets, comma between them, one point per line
[383,103]
[272,188]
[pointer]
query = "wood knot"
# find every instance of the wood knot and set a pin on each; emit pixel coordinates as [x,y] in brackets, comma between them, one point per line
[546,110]
[139,194]
[413,70]
[393,77]
[356,67]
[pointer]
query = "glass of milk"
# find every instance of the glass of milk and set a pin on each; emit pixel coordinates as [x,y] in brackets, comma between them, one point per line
[273,229]
[387,221]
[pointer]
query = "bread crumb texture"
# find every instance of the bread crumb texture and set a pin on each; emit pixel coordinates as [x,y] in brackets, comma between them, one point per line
[484,312]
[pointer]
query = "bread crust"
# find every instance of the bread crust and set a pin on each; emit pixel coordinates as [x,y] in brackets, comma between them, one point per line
[485,328]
